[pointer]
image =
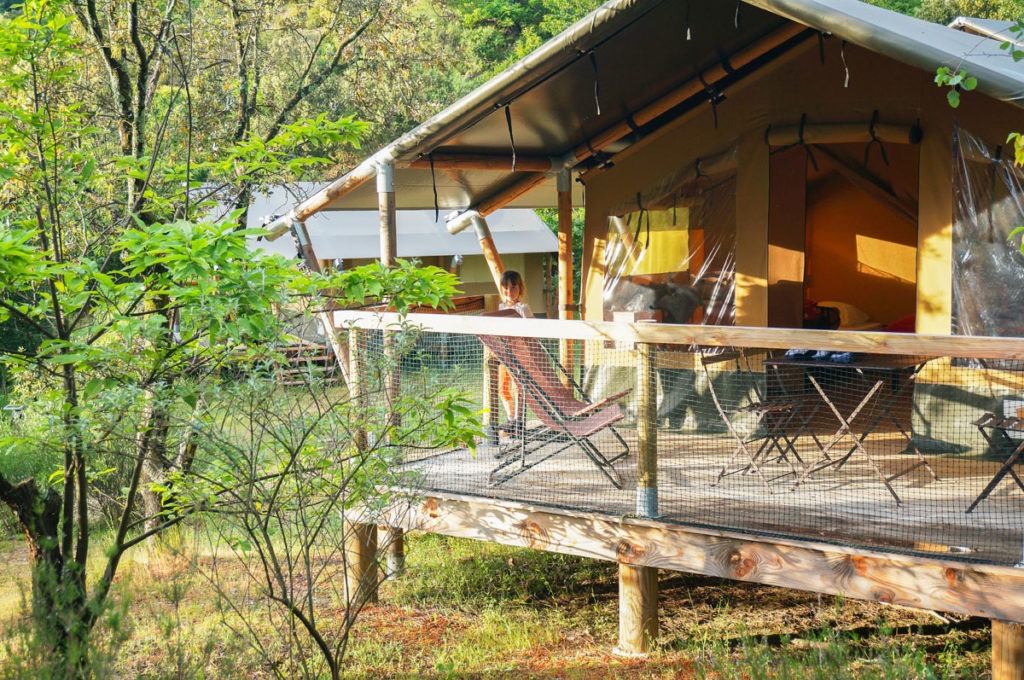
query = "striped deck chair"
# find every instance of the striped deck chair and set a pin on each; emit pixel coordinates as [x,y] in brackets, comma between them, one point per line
[569,419]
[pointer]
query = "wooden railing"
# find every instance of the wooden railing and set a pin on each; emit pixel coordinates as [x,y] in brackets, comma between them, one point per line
[677,334]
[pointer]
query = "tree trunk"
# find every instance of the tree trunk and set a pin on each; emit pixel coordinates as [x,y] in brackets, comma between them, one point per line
[39,515]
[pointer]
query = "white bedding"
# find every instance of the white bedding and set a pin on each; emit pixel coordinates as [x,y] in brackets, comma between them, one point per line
[868,325]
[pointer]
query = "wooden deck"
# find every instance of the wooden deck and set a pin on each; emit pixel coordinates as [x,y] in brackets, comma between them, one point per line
[840,531]
[845,507]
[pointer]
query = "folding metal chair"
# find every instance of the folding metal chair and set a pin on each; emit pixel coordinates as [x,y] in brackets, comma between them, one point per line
[870,373]
[996,431]
[773,427]
[568,417]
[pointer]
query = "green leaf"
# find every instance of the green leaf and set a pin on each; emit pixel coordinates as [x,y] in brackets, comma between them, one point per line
[953,97]
[93,387]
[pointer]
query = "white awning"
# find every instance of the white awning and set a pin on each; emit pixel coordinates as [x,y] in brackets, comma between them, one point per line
[355,234]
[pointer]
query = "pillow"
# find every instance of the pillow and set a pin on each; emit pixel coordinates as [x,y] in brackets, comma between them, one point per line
[848,314]
[905,324]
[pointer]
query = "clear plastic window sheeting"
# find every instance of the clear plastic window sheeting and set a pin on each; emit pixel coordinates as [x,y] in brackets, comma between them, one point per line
[671,255]
[988,267]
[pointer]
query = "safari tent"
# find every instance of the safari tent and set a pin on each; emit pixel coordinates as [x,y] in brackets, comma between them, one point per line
[352,237]
[792,166]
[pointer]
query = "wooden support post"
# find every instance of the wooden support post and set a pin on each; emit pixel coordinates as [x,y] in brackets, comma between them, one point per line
[360,563]
[1007,650]
[388,255]
[646,432]
[394,540]
[565,297]
[357,385]
[326,318]
[342,355]
[491,397]
[491,254]
[305,246]
[638,609]
[388,214]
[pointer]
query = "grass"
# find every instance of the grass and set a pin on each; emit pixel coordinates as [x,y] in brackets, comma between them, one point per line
[469,609]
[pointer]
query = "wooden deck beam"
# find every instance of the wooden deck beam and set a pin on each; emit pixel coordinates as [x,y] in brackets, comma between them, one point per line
[934,584]
[686,335]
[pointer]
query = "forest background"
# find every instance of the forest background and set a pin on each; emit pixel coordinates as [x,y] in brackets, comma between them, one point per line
[120,122]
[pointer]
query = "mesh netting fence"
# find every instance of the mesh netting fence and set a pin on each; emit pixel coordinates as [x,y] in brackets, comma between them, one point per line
[907,454]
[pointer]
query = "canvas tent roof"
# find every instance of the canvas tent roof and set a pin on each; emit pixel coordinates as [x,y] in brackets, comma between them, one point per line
[625,69]
[355,234]
[996,29]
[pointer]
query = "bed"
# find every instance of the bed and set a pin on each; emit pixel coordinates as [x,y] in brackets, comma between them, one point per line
[852,318]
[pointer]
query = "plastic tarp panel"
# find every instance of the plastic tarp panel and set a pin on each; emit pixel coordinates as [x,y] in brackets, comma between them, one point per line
[673,254]
[988,267]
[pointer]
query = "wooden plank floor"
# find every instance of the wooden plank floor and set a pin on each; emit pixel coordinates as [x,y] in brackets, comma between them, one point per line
[849,506]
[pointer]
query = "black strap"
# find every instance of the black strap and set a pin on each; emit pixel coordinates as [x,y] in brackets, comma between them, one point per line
[801,142]
[875,140]
[687,20]
[714,97]
[640,223]
[597,90]
[511,139]
[433,185]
